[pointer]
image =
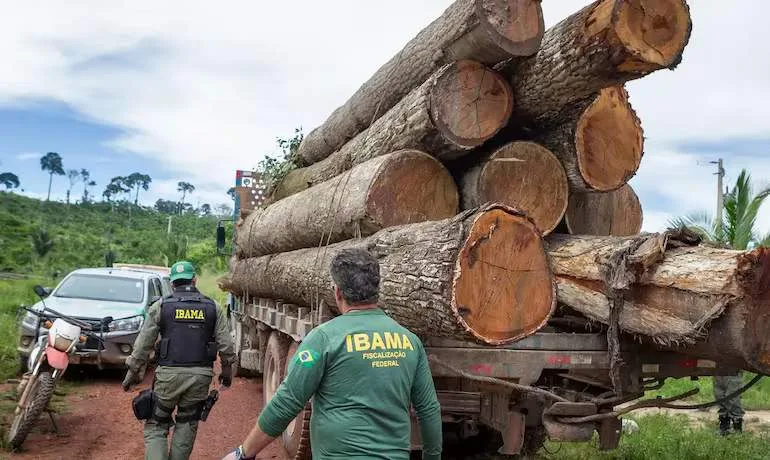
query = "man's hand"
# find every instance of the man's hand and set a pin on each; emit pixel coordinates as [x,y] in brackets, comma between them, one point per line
[237,454]
[132,378]
[226,376]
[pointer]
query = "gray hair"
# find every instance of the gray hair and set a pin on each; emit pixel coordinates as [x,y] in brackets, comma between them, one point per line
[357,274]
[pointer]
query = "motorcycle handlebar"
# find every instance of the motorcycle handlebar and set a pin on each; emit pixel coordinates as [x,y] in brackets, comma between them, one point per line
[86,327]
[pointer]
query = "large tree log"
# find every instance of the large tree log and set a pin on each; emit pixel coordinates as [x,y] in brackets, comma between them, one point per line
[677,295]
[606,43]
[461,106]
[599,141]
[616,213]
[403,187]
[523,175]
[481,274]
[488,31]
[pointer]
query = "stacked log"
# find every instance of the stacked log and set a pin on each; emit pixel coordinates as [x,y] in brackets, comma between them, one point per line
[488,31]
[520,174]
[460,107]
[435,275]
[534,133]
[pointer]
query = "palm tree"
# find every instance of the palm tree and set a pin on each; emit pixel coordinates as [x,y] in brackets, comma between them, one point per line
[74,176]
[741,207]
[52,163]
[185,188]
[9,180]
[138,180]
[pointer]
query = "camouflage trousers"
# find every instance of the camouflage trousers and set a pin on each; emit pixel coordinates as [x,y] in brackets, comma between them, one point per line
[723,386]
[181,391]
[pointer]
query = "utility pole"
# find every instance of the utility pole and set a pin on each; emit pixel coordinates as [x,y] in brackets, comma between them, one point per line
[720,194]
[168,230]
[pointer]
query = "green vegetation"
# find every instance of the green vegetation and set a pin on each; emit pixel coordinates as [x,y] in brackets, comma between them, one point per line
[13,293]
[665,437]
[49,238]
[755,398]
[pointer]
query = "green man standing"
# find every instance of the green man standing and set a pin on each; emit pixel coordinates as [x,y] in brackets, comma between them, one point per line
[192,330]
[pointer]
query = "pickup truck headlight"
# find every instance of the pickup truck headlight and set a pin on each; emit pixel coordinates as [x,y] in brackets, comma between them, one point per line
[29,321]
[133,323]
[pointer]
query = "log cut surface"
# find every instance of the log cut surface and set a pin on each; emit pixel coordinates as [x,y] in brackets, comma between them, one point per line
[609,42]
[616,213]
[488,31]
[479,275]
[523,175]
[403,187]
[682,296]
[599,140]
[461,106]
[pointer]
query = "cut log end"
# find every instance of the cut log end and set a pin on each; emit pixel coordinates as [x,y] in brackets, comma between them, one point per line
[470,103]
[609,141]
[411,187]
[528,177]
[518,27]
[616,213]
[655,32]
[503,285]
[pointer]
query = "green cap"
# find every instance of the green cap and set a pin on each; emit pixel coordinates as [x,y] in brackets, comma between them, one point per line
[182,270]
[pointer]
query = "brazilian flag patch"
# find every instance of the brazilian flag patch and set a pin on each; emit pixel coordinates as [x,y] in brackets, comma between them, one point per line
[306,358]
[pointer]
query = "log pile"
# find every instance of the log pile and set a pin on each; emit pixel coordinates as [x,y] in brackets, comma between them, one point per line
[486,165]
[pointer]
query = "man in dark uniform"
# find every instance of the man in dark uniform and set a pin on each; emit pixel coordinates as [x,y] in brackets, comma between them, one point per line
[363,370]
[192,330]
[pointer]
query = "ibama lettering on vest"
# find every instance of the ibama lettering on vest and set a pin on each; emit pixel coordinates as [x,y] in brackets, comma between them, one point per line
[184,313]
[374,341]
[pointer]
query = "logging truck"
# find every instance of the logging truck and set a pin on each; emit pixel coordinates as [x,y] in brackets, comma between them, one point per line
[496,400]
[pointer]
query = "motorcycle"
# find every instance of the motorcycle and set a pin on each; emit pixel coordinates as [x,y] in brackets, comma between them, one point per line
[46,364]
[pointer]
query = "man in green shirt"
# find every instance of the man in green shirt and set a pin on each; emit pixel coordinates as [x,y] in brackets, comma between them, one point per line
[363,370]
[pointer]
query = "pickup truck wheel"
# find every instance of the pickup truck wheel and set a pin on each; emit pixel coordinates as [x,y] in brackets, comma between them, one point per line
[275,365]
[296,437]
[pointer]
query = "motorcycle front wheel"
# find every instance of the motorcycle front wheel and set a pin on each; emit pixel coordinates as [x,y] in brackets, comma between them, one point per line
[40,391]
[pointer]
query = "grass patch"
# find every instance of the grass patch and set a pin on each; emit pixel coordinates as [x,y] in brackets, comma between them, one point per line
[664,437]
[207,284]
[12,294]
[755,398]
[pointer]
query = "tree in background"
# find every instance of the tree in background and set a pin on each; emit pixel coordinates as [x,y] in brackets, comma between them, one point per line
[205,209]
[137,181]
[74,177]
[9,180]
[224,211]
[52,163]
[166,206]
[85,176]
[737,229]
[42,242]
[185,188]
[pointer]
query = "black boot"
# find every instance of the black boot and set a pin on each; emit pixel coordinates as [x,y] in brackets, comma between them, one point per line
[738,425]
[724,425]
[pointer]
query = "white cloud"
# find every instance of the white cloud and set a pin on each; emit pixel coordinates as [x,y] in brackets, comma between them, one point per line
[204,88]
[26,156]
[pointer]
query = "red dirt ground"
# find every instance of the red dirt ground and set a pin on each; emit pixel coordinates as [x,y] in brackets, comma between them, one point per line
[98,423]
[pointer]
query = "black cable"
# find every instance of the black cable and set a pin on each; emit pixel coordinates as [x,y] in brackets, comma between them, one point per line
[735,393]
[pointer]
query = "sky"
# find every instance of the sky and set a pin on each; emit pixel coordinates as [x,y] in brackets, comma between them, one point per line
[193,90]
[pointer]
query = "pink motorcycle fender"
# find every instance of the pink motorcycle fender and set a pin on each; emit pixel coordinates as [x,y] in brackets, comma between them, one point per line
[57,359]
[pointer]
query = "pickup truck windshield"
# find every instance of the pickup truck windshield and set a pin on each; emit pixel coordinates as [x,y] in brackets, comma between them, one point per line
[94,287]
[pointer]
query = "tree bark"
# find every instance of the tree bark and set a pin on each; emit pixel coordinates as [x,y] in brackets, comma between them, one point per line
[488,31]
[680,291]
[599,140]
[609,42]
[403,187]
[523,175]
[458,108]
[482,274]
[616,213]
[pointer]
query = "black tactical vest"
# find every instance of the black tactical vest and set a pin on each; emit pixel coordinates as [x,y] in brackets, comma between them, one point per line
[188,322]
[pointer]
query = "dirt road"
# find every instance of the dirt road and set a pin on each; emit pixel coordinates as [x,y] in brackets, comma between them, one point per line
[98,423]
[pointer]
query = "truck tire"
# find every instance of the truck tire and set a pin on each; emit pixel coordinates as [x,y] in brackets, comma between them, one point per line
[274,366]
[296,437]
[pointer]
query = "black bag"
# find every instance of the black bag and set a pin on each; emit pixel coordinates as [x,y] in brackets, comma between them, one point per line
[144,404]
